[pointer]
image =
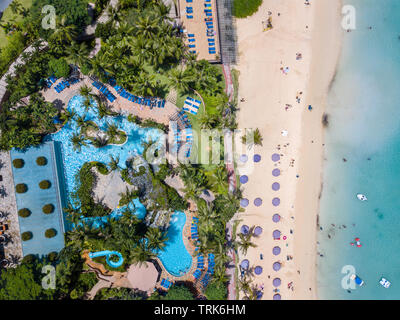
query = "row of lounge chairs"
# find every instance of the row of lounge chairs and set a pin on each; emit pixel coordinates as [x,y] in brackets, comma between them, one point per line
[191,39]
[50,81]
[65,84]
[189,12]
[210,28]
[166,284]
[103,89]
[210,270]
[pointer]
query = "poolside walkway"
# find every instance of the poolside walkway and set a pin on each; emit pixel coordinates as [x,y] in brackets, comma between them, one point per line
[8,206]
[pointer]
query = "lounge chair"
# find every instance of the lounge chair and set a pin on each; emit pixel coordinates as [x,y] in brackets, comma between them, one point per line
[207,5]
[208,14]
[189,1]
[192,46]
[191,40]
[189,17]
[190,35]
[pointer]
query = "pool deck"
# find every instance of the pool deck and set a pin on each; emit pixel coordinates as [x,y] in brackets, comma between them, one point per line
[8,204]
[122,105]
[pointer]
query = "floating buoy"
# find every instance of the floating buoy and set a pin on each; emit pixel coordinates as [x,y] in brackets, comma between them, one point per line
[352,243]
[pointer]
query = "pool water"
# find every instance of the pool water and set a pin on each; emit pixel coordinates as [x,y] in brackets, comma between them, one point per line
[73,160]
[175,258]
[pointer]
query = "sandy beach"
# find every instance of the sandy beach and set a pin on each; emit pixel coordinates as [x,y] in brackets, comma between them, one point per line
[282,72]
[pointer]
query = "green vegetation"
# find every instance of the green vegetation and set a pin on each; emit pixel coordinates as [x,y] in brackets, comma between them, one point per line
[252,137]
[216,291]
[41,161]
[21,188]
[245,8]
[24,213]
[44,184]
[50,233]
[18,163]
[48,208]
[179,292]
[25,236]
[59,67]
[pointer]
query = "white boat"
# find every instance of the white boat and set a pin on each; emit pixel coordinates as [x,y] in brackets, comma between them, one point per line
[361,197]
[385,283]
[357,279]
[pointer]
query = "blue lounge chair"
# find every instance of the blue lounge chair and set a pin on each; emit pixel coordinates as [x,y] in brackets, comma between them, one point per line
[192,46]
[190,35]
[208,14]
[207,5]
[191,40]
[189,1]
[189,17]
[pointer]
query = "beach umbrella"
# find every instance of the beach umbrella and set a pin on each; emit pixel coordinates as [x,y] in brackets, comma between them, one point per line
[275,157]
[277,296]
[276,266]
[276,282]
[244,229]
[244,202]
[257,158]
[276,172]
[245,264]
[276,201]
[276,251]
[243,158]
[276,217]
[258,270]
[259,295]
[276,234]
[243,179]
[257,202]
[258,230]
[276,186]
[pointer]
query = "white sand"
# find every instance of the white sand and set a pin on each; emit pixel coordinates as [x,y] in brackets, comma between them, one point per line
[266,91]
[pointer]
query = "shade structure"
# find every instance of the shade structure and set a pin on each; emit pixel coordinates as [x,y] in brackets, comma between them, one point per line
[275,157]
[244,229]
[258,270]
[276,186]
[243,158]
[257,158]
[276,250]
[276,282]
[276,234]
[276,217]
[244,202]
[277,296]
[243,179]
[258,230]
[276,266]
[245,264]
[257,202]
[276,172]
[276,201]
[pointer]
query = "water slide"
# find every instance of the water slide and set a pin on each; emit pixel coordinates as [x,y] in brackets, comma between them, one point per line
[108,254]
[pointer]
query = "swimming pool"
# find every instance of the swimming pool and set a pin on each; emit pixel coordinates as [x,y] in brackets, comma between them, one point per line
[175,257]
[73,160]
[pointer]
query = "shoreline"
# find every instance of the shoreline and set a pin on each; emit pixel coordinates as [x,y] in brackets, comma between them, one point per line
[266,90]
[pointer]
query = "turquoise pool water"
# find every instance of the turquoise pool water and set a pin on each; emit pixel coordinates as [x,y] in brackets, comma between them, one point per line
[175,258]
[73,160]
[364,128]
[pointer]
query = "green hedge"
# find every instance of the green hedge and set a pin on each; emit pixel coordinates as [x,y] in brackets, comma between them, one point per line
[26,236]
[18,163]
[41,161]
[24,213]
[50,233]
[245,8]
[21,188]
[48,208]
[45,184]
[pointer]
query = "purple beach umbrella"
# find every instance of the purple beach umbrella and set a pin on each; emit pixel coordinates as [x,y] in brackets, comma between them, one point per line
[276,251]
[277,296]
[276,282]
[276,172]
[245,264]
[276,234]
[258,270]
[276,217]
[276,186]
[257,158]
[259,295]
[276,266]
[275,157]
[243,179]
[243,158]
[276,201]
[257,202]
[257,231]
[244,202]
[244,229]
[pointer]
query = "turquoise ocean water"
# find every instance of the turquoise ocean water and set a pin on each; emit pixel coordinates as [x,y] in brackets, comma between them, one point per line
[364,128]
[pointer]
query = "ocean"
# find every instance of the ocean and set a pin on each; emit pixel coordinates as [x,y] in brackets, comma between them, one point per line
[362,155]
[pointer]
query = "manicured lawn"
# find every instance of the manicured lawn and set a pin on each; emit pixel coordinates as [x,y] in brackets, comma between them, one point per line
[245,8]
[8,16]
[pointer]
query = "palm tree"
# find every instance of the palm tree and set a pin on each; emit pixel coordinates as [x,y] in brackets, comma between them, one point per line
[99,142]
[156,239]
[245,242]
[147,26]
[220,179]
[113,164]
[127,196]
[15,6]
[209,121]
[112,131]
[179,80]
[140,254]
[64,33]
[77,53]
[78,140]
[67,116]
[252,138]
[84,125]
